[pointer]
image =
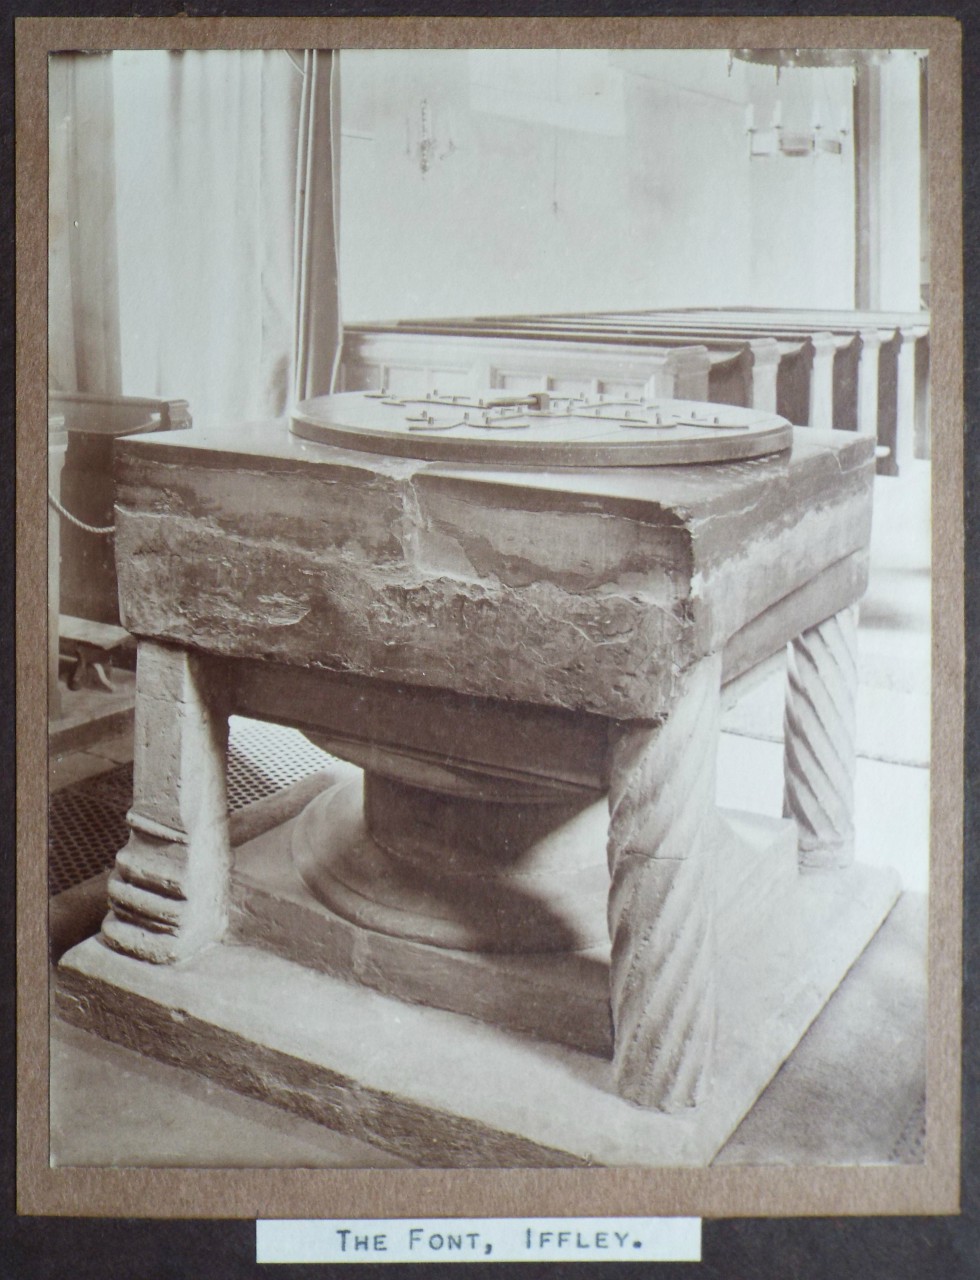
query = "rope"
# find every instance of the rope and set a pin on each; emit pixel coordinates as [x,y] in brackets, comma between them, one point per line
[104,531]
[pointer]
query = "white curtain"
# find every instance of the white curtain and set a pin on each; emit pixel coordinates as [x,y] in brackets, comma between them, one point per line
[222,169]
[83,294]
[317,238]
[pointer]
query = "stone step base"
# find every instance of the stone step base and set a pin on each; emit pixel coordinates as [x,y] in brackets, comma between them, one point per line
[445,1090]
[560,996]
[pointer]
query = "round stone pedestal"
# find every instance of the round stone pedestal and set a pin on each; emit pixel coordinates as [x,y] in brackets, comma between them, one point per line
[459,861]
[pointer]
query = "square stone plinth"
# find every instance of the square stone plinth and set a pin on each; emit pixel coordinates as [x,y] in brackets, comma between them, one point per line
[445,1089]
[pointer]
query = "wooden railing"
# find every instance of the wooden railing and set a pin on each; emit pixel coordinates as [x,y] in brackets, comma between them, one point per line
[849,370]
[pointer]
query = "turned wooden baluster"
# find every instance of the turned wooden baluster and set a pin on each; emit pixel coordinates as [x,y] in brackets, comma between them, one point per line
[821,410]
[680,374]
[661,806]
[765,356]
[168,892]
[868,363]
[906,392]
[820,740]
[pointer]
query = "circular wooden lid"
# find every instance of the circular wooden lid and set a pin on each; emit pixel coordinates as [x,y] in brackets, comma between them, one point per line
[540,429]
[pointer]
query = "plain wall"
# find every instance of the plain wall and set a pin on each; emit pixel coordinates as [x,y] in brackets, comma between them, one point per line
[899,177]
[583,180]
[573,180]
[803,207]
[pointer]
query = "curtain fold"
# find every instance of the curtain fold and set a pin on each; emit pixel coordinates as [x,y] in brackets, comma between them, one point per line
[83,294]
[316,269]
[224,169]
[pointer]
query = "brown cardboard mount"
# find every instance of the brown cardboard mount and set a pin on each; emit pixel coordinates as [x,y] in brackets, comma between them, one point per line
[928,1188]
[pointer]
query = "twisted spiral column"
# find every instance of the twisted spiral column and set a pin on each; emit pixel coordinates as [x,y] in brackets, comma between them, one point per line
[819,761]
[661,808]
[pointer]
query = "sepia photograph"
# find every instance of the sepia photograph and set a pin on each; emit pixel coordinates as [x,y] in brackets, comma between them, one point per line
[491,654]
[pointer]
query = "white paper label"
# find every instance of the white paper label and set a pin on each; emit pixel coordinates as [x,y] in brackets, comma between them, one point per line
[478,1239]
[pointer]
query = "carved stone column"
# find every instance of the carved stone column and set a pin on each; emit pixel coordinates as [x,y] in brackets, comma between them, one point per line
[661,808]
[824,348]
[820,740]
[168,892]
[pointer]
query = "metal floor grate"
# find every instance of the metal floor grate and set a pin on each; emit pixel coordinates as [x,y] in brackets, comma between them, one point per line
[87,821]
